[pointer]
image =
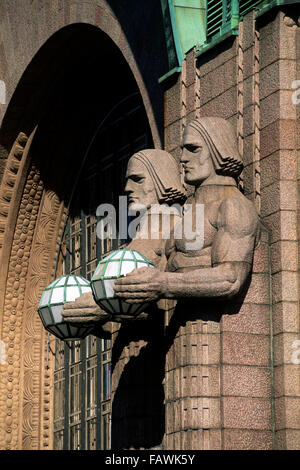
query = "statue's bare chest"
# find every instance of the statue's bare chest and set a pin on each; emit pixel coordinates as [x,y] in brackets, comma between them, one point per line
[199,222]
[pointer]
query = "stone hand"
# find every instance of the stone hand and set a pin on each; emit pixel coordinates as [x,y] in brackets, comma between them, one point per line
[141,285]
[84,310]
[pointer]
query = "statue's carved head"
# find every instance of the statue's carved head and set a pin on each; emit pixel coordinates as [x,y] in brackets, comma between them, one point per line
[153,177]
[210,146]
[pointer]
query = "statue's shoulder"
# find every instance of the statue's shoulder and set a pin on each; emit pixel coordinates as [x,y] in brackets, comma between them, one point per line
[238,213]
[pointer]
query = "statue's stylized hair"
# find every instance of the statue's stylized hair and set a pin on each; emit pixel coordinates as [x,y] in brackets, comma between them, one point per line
[220,137]
[164,171]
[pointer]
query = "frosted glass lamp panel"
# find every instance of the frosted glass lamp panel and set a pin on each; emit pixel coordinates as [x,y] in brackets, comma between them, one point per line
[53,283]
[98,290]
[106,306]
[99,271]
[125,307]
[141,308]
[71,281]
[56,332]
[115,305]
[85,289]
[116,255]
[56,312]
[64,330]
[81,332]
[129,255]
[109,287]
[127,267]
[74,331]
[109,256]
[133,309]
[112,269]
[45,297]
[46,315]
[57,295]
[61,282]
[142,265]
[72,293]
[138,256]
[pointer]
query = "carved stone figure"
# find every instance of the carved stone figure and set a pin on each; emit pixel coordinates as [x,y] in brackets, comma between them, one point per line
[231,226]
[153,182]
[144,354]
[220,268]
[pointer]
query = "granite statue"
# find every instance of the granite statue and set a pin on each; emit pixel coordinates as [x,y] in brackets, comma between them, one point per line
[231,229]
[153,182]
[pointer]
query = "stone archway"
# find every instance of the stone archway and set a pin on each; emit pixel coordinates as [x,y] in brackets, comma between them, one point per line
[34,196]
[25,380]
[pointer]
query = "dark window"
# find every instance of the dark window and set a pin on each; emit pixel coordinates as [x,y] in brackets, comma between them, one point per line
[82,377]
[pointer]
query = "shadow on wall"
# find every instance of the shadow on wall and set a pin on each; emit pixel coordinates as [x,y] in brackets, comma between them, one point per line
[138,410]
[138,414]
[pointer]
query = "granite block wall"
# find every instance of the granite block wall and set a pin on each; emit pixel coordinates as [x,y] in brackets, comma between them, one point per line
[252,395]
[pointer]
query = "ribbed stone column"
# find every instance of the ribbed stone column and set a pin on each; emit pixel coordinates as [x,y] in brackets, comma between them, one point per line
[193,377]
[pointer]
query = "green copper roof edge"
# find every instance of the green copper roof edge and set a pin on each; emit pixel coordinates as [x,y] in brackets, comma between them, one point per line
[169,6]
[215,41]
[169,74]
[276,3]
[179,53]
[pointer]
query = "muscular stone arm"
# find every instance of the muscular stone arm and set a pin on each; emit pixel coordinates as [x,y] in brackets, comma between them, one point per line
[224,280]
[232,254]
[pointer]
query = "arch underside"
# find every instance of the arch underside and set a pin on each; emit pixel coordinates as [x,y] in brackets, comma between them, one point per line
[42,167]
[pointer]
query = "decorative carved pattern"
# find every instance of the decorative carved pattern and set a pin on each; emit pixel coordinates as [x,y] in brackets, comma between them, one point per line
[25,381]
[257,200]
[9,337]
[12,382]
[240,95]
[42,266]
[9,180]
[183,96]
[197,89]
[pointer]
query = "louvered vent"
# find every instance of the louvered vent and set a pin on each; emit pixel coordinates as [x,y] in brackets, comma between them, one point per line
[218,15]
[247,5]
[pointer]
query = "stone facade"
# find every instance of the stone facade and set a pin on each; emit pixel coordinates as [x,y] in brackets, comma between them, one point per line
[249,373]
[231,380]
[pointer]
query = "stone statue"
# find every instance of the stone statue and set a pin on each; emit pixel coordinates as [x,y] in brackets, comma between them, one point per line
[152,181]
[217,269]
[220,267]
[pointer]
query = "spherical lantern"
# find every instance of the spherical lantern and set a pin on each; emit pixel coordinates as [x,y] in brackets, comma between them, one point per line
[62,290]
[117,264]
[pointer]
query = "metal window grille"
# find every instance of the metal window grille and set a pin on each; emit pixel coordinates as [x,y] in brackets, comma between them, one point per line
[82,376]
[223,15]
[248,5]
[218,15]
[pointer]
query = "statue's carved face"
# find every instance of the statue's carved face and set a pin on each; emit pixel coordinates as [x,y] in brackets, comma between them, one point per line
[196,159]
[139,185]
